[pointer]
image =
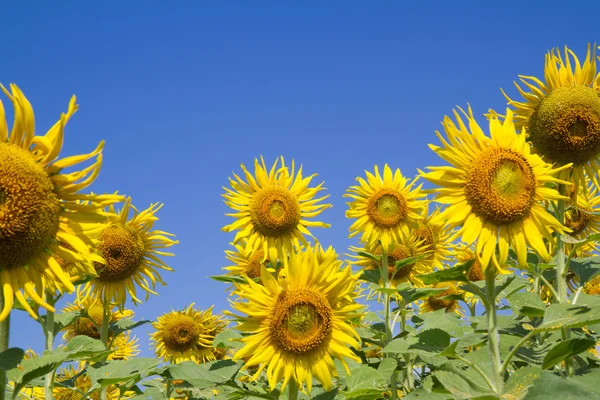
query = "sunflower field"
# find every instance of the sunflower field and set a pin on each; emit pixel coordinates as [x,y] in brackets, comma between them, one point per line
[479,278]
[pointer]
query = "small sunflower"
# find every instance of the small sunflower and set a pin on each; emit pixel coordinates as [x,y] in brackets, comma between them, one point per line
[592,286]
[385,207]
[436,236]
[246,260]
[131,249]
[297,325]
[562,114]
[274,207]
[444,300]
[40,206]
[583,217]
[399,251]
[124,347]
[495,189]
[187,335]
[95,311]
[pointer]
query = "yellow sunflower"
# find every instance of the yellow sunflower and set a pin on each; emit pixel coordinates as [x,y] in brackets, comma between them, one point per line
[592,286]
[187,335]
[274,207]
[398,251]
[297,325]
[39,206]
[246,260]
[583,218]
[131,249]
[436,236]
[495,189]
[89,326]
[77,270]
[440,301]
[124,346]
[385,207]
[562,114]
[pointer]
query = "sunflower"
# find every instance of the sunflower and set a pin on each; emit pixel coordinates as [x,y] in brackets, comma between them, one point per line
[398,251]
[124,347]
[592,286]
[77,270]
[187,335]
[297,325]
[436,236]
[39,206]
[444,300]
[495,189]
[246,260]
[583,218]
[562,114]
[273,207]
[385,207]
[88,326]
[131,250]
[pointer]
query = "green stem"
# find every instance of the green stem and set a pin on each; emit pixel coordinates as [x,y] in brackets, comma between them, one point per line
[388,326]
[493,335]
[292,390]
[49,333]
[478,370]
[407,358]
[4,334]
[104,338]
[562,270]
[515,349]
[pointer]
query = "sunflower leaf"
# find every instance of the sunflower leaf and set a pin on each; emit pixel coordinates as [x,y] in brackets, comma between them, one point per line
[125,372]
[370,256]
[548,385]
[228,338]
[454,274]
[559,316]
[125,324]
[10,358]
[365,383]
[566,349]
[585,268]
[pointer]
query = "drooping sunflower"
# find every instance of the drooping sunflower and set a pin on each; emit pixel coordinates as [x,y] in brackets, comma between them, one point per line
[494,188]
[131,249]
[39,206]
[187,335]
[436,236]
[562,114]
[246,260]
[297,325]
[444,300]
[385,207]
[274,207]
[95,310]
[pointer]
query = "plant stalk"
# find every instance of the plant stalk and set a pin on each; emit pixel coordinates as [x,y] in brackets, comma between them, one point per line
[292,390]
[4,336]
[407,358]
[388,325]
[104,338]
[493,335]
[49,333]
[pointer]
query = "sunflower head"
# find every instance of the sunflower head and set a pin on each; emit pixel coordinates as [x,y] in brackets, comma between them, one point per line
[131,250]
[273,206]
[40,207]
[124,347]
[82,384]
[562,114]
[93,310]
[436,237]
[187,335]
[445,300]
[385,207]
[247,260]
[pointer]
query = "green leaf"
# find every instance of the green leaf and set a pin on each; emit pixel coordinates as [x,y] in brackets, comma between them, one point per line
[228,278]
[422,394]
[518,383]
[388,291]
[124,325]
[410,294]
[228,338]
[204,375]
[527,304]
[440,319]
[455,274]
[429,342]
[37,367]
[371,275]
[566,349]
[594,237]
[10,358]
[585,268]
[550,386]
[589,380]
[387,366]
[365,382]
[82,347]
[128,372]
[370,256]
[460,387]
[559,316]
[509,284]
[63,320]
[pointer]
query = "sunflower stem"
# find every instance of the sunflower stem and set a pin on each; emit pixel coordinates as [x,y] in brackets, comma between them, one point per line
[49,345]
[104,338]
[562,270]
[407,358]
[4,334]
[292,390]
[388,324]
[493,334]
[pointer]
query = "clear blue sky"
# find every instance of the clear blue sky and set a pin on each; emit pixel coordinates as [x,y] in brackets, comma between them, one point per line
[184,91]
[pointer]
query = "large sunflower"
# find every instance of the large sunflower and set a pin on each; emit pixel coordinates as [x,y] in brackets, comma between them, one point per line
[297,325]
[273,206]
[494,189]
[187,335]
[385,207]
[562,114]
[39,206]
[131,250]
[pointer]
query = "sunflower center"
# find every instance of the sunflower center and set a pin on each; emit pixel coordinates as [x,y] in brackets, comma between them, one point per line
[577,220]
[396,253]
[29,208]
[301,321]
[500,186]
[254,264]
[274,211]
[123,250]
[566,125]
[85,326]
[475,274]
[387,208]
[437,302]
[181,333]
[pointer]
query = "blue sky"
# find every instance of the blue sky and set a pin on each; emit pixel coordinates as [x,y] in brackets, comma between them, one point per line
[183,92]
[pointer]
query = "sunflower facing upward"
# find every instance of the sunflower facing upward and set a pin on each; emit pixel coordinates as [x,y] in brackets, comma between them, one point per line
[562,114]
[385,207]
[274,207]
[298,324]
[40,206]
[131,250]
[494,188]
